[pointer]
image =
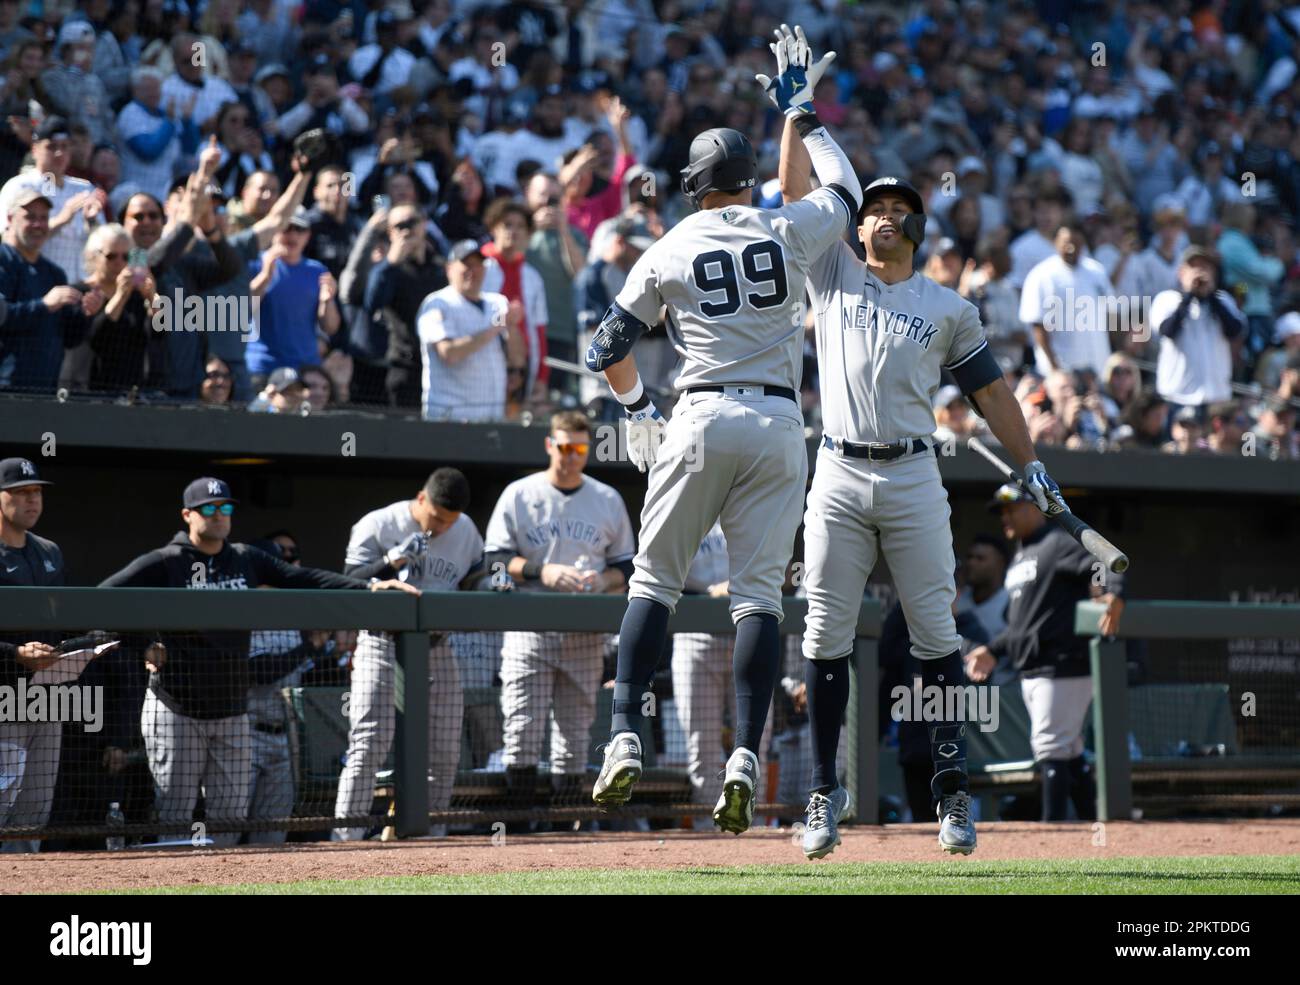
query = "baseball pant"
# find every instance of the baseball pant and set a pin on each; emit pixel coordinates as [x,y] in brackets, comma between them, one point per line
[858,510]
[372,721]
[29,767]
[737,459]
[701,668]
[188,754]
[550,678]
[271,792]
[1058,707]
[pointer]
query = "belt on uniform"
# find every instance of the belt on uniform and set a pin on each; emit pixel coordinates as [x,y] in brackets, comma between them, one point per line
[767,391]
[876,451]
[269,729]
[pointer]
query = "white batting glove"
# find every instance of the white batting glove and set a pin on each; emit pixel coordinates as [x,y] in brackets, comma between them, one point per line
[645,429]
[1046,493]
[409,549]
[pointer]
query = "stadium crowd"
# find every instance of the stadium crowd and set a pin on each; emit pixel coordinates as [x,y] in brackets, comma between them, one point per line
[293,207]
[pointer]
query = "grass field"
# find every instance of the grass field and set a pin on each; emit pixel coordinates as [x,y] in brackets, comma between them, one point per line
[1229,874]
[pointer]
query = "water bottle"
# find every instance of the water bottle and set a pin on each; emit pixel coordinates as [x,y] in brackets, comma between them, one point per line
[115,820]
[584,565]
[1134,751]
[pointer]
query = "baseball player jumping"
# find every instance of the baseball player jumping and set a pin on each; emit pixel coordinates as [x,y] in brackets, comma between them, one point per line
[732,277]
[883,335]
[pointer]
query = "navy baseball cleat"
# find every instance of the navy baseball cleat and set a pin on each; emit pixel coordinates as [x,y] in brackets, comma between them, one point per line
[821,836]
[735,809]
[621,770]
[956,829]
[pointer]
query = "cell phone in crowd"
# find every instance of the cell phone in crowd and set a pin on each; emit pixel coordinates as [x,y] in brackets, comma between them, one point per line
[380,202]
[138,260]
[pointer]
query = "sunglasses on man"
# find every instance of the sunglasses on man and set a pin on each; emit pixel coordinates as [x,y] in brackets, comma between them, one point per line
[212,509]
[572,448]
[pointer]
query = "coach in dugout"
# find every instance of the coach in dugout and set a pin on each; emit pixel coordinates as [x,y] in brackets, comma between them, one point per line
[29,751]
[195,714]
[1049,574]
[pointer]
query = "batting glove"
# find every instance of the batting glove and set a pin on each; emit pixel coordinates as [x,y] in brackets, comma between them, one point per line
[645,429]
[796,73]
[411,548]
[1046,493]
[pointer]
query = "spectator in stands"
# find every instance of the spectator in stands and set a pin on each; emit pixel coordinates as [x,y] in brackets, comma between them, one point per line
[195,715]
[1246,268]
[1066,304]
[192,257]
[334,227]
[77,206]
[142,218]
[271,28]
[1120,382]
[320,388]
[31,560]
[242,151]
[217,383]
[20,90]
[12,31]
[1147,418]
[1154,162]
[1206,191]
[242,56]
[1273,363]
[507,272]
[190,91]
[588,204]
[258,194]
[106,173]
[1035,245]
[325,105]
[557,251]
[154,137]
[119,332]
[395,291]
[384,67]
[1275,430]
[944,265]
[299,313]
[953,420]
[1227,425]
[990,290]
[1199,328]
[74,91]
[468,337]
[546,140]
[463,201]
[284,393]
[1155,269]
[115,49]
[44,314]
[1186,433]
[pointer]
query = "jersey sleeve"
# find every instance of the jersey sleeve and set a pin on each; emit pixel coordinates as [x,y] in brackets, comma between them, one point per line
[969,359]
[814,224]
[363,544]
[1162,306]
[431,322]
[640,295]
[622,543]
[535,297]
[1031,298]
[500,534]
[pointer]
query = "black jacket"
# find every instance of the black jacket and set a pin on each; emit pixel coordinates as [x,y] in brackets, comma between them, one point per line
[39,562]
[207,674]
[1049,575]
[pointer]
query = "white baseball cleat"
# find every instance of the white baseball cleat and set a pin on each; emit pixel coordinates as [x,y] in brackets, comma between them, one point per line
[821,836]
[956,829]
[620,771]
[735,809]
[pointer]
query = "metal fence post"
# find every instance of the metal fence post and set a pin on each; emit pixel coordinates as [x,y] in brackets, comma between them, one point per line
[862,778]
[1110,726]
[411,695]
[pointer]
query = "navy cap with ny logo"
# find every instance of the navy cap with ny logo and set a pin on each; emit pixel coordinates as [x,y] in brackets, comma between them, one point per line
[16,472]
[207,490]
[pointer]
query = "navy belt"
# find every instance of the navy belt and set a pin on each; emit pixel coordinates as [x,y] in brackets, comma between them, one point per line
[269,729]
[768,391]
[877,451]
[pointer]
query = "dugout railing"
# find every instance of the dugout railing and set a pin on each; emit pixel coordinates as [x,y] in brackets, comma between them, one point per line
[1214,727]
[137,613]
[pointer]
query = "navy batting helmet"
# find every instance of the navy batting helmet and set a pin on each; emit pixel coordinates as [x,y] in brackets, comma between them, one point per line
[722,160]
[914,224]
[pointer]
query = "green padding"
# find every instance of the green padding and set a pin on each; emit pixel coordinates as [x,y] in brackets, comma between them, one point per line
[1163,715]
[1010,741]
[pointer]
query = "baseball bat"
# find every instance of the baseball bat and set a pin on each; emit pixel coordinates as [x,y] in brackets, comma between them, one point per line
[1093,542]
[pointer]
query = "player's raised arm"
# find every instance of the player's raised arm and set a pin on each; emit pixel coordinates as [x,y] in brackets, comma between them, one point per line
[792,91]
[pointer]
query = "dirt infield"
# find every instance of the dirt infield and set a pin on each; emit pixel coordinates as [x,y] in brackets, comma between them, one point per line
[75,872]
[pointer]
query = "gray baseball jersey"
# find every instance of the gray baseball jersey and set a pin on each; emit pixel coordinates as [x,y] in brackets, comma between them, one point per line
[549,525]
[445,561]
[880,347]
[733,280]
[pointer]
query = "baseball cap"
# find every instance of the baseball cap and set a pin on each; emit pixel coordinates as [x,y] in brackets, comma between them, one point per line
[1195,252]
[270,71]
[284,378]
[1187,415]
[16,472]
[207,490]
[1007,493]
[970,165]
[464,249]
[50,127]
[945,396]
[945,246]
[300,218]
[26,197]
[636,234]
[1287,325]
[76,32]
